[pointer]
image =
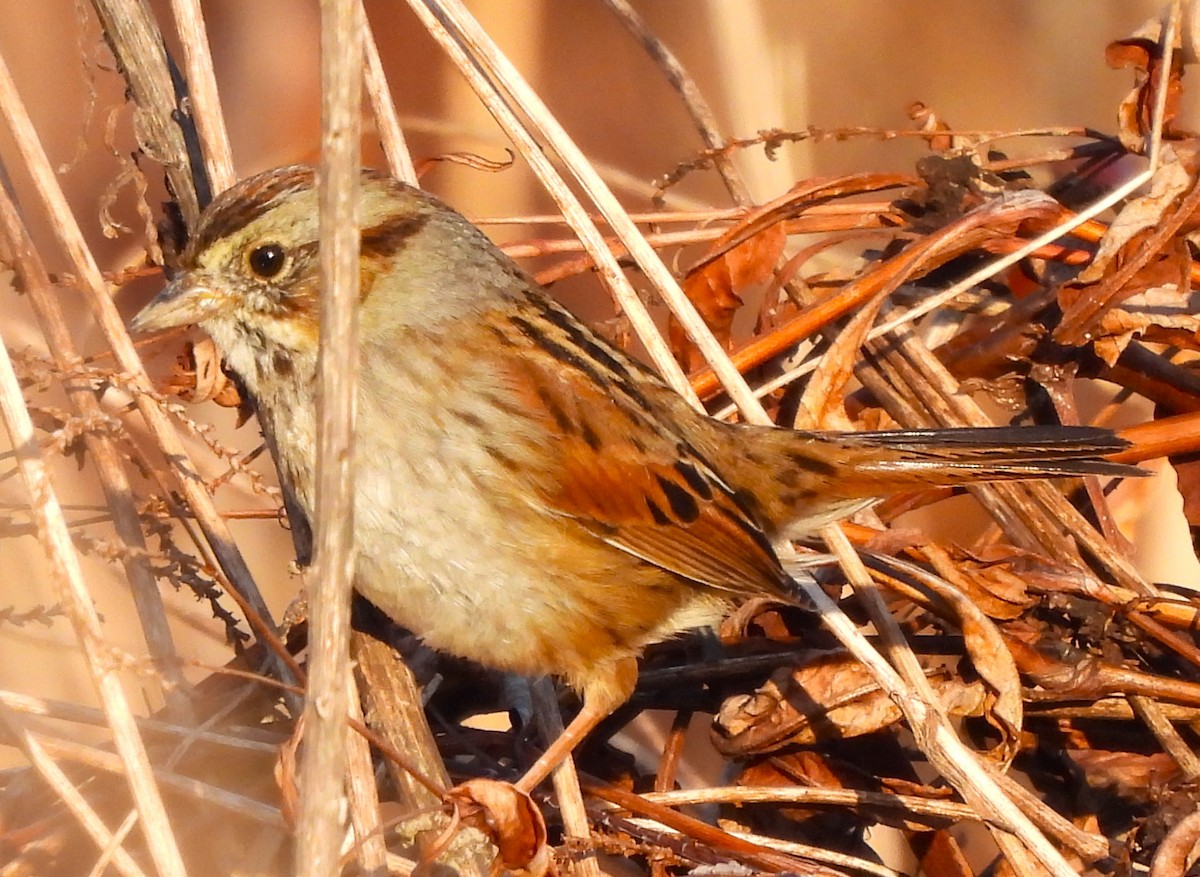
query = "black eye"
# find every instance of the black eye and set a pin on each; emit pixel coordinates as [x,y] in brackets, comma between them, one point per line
[267,260]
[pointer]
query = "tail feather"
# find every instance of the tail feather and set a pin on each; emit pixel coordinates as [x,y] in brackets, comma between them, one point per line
[950,456]
[823,476]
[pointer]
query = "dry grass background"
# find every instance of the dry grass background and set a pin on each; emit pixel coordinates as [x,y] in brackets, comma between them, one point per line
[760,64]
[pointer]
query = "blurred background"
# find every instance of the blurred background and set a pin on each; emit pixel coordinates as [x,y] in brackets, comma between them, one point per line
[760,63]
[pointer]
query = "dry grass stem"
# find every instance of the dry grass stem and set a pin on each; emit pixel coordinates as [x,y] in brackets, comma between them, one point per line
[387,122]
[320,822]
[203,99]
[370,847]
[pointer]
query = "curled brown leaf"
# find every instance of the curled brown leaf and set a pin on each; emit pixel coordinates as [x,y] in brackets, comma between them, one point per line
[510,819]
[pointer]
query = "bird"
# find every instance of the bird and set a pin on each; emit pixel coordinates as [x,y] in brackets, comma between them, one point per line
[528,495]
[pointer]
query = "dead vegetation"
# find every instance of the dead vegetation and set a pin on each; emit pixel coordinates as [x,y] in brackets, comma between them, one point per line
[1037,688]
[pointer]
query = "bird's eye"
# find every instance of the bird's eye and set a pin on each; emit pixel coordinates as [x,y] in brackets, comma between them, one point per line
[266,260]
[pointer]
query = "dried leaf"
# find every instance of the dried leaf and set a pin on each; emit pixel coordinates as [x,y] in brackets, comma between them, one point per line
[1187,473]
[829,698]
[716,289]
[757,612]
[765,222]
[1170,182]
[1156,257]
[986,648]
[510,819]
[940,140]
[992,583]
[286,772]
[822,406]
[1129,773]
[198,376]
[1142,51]
[1162,307]
[944,857]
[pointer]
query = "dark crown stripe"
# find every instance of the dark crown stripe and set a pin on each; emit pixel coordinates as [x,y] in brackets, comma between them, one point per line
[246,201]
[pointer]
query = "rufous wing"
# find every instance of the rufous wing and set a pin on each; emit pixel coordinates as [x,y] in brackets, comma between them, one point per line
[632,482]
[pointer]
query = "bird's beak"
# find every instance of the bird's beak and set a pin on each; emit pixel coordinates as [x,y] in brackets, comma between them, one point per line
[187,299]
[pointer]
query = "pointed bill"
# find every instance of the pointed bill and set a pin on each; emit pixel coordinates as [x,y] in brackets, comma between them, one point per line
[187,299]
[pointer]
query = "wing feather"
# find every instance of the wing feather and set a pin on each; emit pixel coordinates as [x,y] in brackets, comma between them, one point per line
[628,478]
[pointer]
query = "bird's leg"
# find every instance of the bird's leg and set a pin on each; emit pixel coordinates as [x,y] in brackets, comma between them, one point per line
[601,695]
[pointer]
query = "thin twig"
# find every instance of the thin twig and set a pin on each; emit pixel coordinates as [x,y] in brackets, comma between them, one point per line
[819,854]
[203,100]
[733,847]
[1171,740]
[387,122]
[689,94]
[323,762]
[239,805]
[269,742]
[903,805]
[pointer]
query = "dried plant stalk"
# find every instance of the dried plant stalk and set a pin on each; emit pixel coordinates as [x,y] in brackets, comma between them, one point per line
[323,766]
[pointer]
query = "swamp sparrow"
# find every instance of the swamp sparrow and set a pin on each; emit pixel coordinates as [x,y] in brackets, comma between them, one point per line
[528,496]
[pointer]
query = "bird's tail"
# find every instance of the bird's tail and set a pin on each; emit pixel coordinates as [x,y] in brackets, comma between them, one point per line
[914,457]
[824,476]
